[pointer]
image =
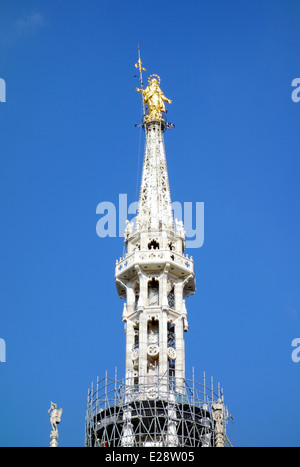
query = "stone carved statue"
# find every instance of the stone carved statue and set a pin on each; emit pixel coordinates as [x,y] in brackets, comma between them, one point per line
[218,416]
[153,336]
[154,99]
[180,228]
[142,221]
[55,416]
[128,229]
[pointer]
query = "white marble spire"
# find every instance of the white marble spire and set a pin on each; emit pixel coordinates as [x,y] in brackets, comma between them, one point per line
[155,276]
[155,208]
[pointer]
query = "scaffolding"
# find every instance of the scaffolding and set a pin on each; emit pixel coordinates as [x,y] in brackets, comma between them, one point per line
[155,412]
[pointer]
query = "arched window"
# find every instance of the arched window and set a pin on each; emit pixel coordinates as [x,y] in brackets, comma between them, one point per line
[171,369]
[171,295]
[153,245]
[136,336]
[171,335]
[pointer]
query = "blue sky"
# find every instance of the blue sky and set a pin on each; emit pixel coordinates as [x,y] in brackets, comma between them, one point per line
[68,142]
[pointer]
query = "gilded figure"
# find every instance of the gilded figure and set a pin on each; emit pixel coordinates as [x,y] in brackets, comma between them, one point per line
[154,99]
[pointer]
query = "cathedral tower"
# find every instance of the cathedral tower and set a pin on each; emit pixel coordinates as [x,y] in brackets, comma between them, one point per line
[155,276]
[155,405]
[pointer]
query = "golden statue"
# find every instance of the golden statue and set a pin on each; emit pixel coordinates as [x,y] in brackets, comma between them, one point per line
[154,99]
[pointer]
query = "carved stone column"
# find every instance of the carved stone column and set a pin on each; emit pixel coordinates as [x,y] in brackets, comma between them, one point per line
[218,416]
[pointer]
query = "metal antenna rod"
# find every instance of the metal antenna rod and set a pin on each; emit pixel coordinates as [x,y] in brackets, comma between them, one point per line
[140,68]
[138,65]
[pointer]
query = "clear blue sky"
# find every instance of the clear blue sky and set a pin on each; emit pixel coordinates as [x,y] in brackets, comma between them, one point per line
[68,142]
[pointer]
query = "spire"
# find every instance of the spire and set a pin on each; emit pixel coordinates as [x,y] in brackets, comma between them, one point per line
[155,208]
[155,277]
